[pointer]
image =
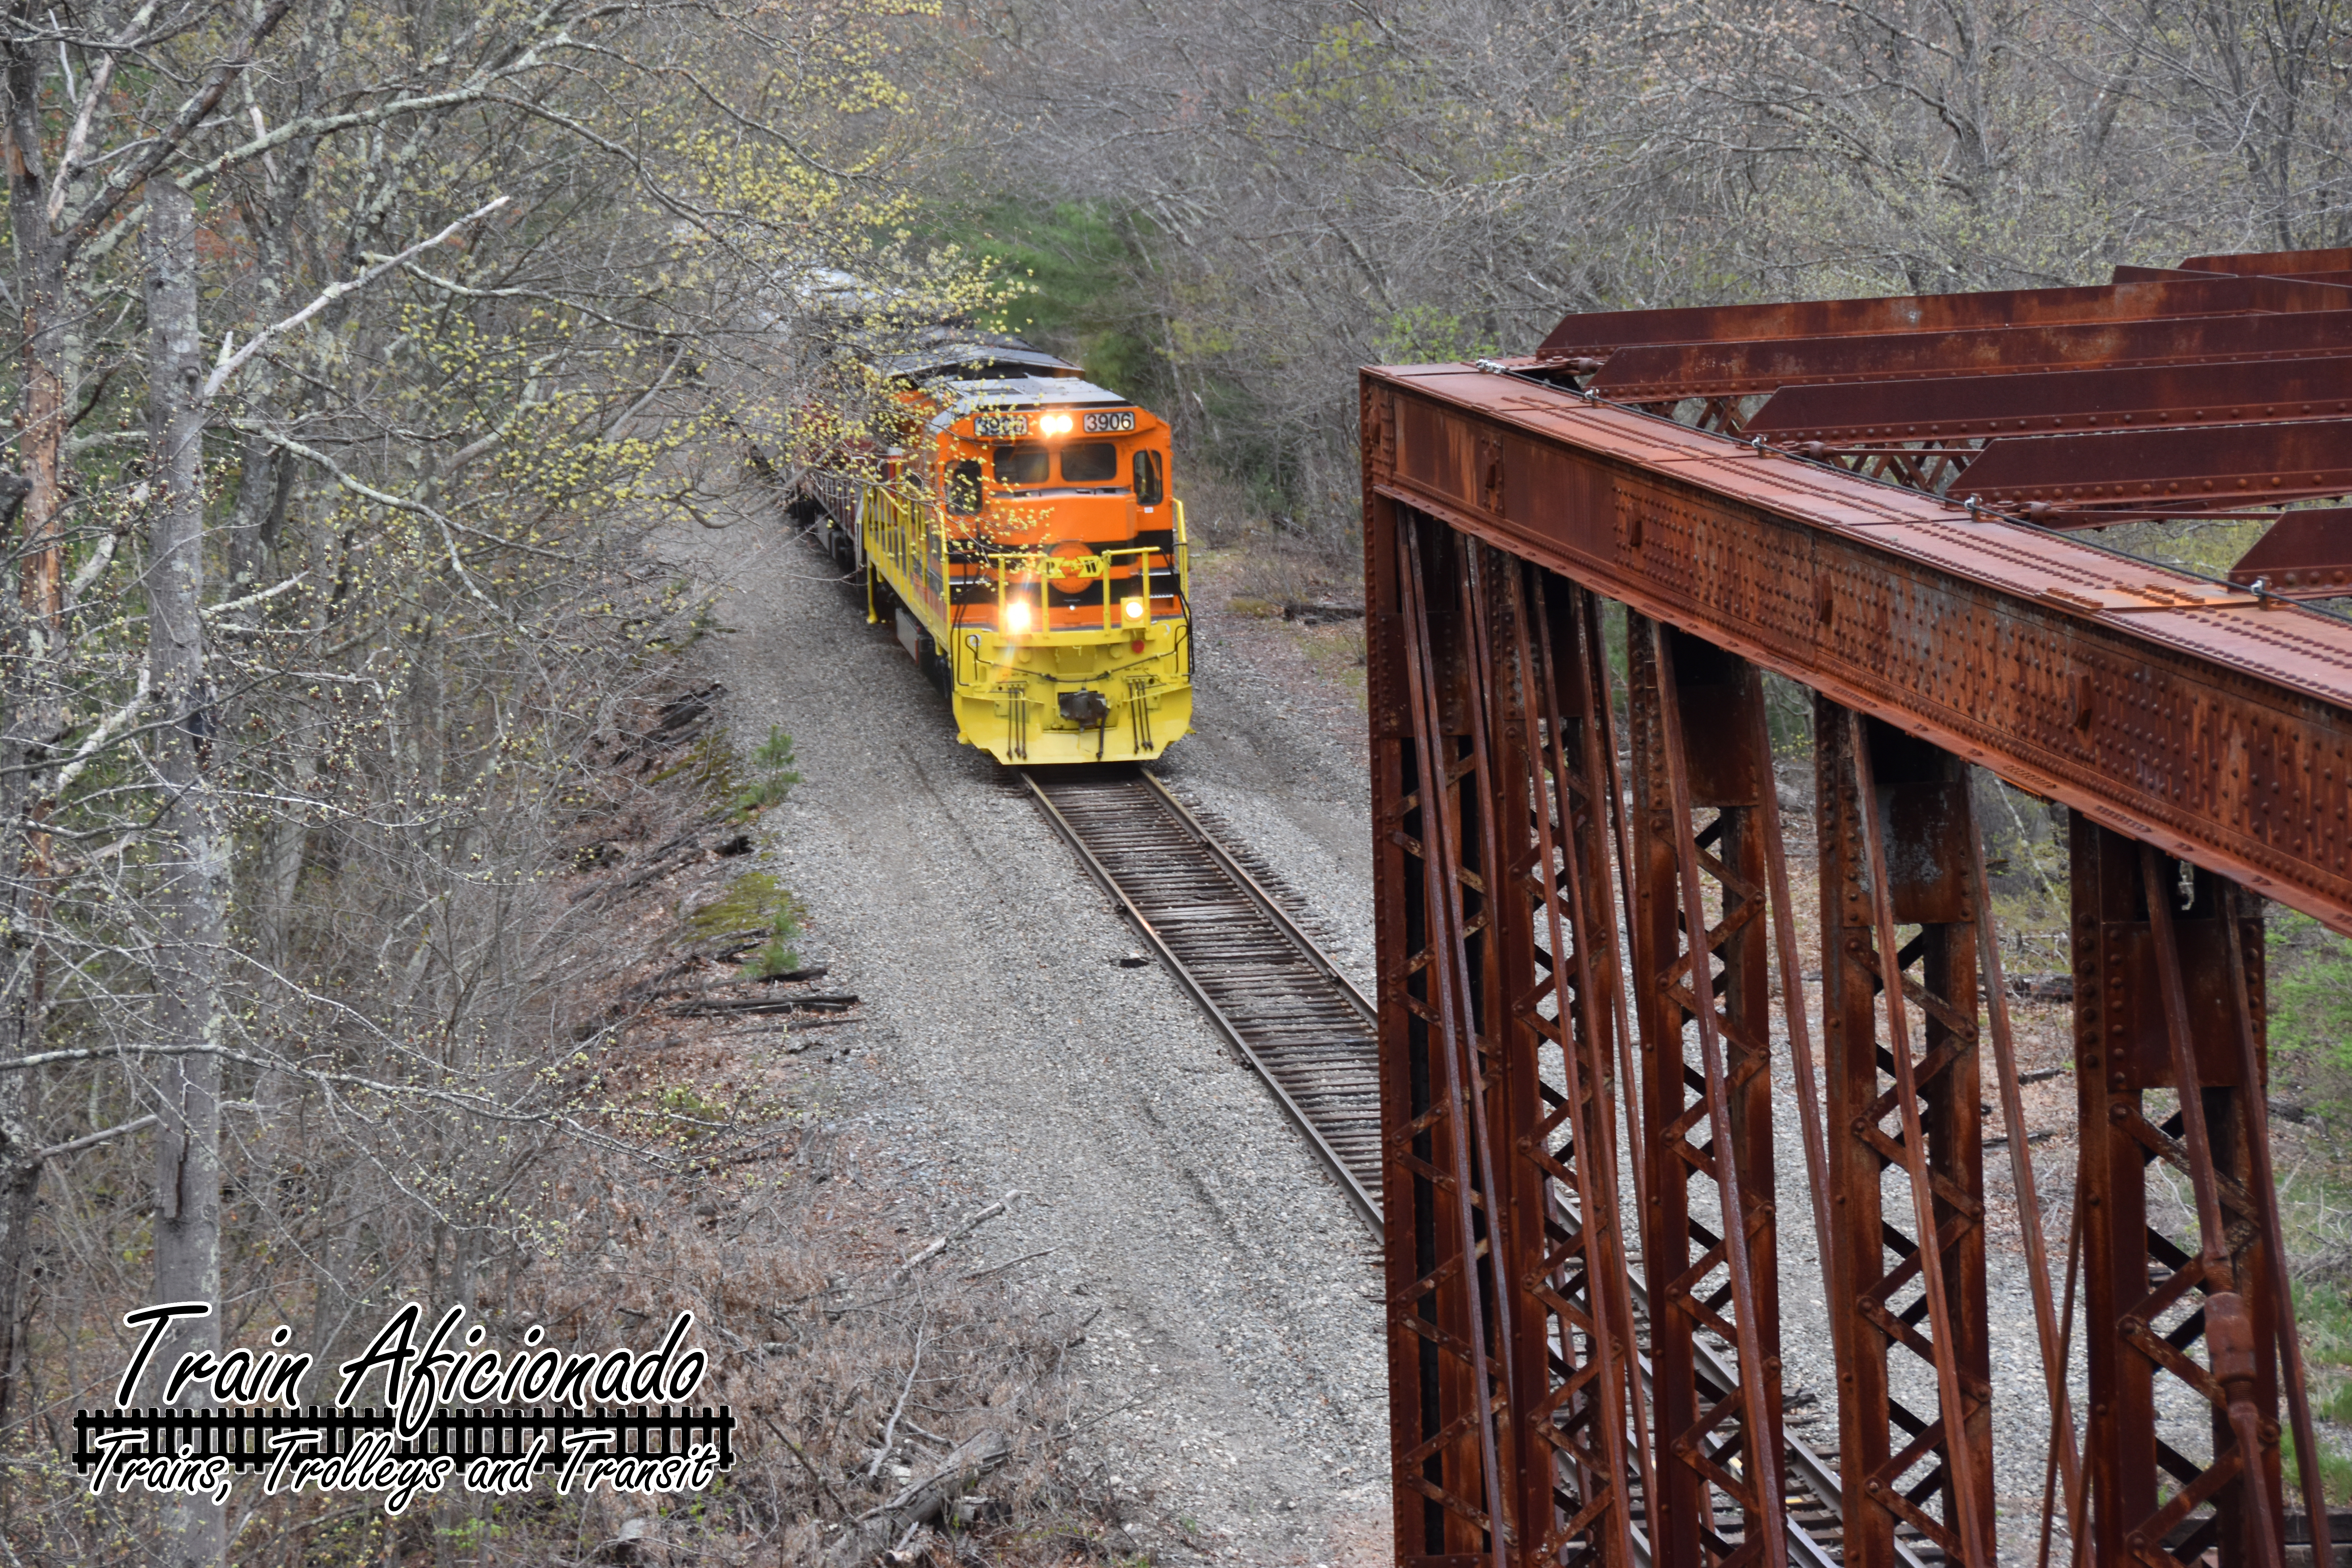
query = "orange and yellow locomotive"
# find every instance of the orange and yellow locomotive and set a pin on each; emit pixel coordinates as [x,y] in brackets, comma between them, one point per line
[1027,544]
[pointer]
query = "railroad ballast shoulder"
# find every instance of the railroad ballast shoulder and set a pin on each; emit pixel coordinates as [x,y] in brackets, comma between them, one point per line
[1027,546]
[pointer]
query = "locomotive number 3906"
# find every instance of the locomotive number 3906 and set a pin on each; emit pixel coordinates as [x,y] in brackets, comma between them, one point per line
[1109,424]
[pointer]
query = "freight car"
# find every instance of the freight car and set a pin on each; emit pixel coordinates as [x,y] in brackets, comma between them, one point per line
[1024,538]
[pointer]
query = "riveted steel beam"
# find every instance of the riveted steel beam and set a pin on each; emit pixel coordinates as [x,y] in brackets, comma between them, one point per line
[2306,554]
[2273,263]
[1649,372]
[2207,467]
[2213,724]
[1603,331]
[2236,392]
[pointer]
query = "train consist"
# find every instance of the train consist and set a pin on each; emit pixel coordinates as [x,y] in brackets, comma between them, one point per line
[1025,542]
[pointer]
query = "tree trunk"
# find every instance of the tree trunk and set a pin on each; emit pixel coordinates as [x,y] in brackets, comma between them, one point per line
[32,712]
[194,917]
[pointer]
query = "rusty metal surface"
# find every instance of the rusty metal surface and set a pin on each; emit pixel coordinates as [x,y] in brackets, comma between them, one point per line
[2203,719]
[2306,554]
[2238,392]
[1895,833]
[1462,1464]
[1503,669]
[2201,730]
[1600,332]
[2154,1016]
[1706,1099]
[1555,970]
[2063,1482]
[2273,263]
[1649,373]
[2209,467]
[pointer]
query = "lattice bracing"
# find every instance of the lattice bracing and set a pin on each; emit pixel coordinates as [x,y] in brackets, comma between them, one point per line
[1580,918]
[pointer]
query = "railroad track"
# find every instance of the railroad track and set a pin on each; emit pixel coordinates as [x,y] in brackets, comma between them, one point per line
[1268,989]
[1307,1030]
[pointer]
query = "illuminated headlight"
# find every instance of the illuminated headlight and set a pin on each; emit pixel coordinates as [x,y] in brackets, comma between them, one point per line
[1135,609]
[1055,425]
[1016,617]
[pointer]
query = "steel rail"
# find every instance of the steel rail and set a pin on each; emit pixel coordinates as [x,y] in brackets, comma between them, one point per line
[1259,896]
[1365,1204]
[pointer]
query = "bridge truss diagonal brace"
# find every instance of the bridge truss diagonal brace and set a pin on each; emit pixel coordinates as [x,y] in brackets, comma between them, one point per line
[1558,972]
[2158,991]
[1507,1257]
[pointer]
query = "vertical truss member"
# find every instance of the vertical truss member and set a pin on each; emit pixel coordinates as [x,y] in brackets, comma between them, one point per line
[1556,972]
[1450,1340]
[1700,898]
[1897,843]
[2168,986]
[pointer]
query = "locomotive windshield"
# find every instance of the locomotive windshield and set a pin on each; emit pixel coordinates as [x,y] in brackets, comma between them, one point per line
[1089,463]
[1022,464]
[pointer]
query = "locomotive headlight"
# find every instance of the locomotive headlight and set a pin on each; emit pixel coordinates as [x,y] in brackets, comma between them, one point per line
[1133,609]
[1016,617]
[1055,425]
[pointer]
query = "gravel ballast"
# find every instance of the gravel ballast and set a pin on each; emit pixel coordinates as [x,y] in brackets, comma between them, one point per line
[1235,1375]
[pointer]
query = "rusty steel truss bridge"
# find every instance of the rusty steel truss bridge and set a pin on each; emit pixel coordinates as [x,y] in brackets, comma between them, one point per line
[1593,994]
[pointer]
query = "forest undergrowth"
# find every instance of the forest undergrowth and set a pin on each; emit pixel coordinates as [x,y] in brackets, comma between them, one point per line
[677,1160]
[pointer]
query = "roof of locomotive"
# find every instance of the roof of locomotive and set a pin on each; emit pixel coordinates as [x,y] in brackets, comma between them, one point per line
[949,351]
[1009,392]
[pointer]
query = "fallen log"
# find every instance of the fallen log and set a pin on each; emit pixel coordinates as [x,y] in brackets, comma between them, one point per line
[940,1243]
[727,1007]
[921,1501]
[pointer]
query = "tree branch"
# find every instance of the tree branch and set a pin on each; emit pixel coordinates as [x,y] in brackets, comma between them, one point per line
[91,1141]
[104,733]
[129,178]
[231,363]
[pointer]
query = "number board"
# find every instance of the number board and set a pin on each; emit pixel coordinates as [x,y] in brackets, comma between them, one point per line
[1109,424]
[1001,425]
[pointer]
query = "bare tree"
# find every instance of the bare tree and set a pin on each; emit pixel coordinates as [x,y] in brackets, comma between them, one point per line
[1312,187]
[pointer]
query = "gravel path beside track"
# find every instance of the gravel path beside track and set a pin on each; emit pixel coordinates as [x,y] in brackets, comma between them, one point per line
[1238,1349]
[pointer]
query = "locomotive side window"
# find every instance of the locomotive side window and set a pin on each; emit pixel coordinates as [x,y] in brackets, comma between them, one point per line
[963,487]
[1089,463]
[1150,480]
[1022,464]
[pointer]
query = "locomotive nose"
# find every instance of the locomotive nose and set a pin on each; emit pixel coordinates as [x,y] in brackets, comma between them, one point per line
[1084,707]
